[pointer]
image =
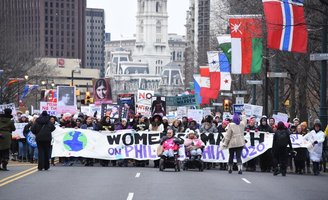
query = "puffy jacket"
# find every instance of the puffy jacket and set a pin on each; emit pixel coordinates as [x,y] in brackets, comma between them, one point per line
[6,127]
[235,134]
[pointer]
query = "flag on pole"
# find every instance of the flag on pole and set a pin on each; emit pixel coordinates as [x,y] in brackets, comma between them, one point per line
[213,61]
[246,44]
[225,45]
[286,25]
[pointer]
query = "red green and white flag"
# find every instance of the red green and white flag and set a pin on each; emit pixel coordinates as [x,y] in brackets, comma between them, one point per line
[246,44]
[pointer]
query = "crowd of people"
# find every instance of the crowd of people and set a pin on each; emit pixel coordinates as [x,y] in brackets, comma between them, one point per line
[277,160]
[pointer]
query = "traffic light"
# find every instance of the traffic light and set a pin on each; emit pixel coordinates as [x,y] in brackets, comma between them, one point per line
[226,105]
[87,98]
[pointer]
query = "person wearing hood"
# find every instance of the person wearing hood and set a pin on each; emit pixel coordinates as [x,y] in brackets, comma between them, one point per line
[42,130]
[7,126]
[316,137]
[281,140]
[234,140]
[266,157]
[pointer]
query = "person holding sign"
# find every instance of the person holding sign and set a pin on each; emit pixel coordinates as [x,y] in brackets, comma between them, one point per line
[316,137]
[234,140]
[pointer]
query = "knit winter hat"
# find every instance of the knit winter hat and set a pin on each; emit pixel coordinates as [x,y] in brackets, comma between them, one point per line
[236,119]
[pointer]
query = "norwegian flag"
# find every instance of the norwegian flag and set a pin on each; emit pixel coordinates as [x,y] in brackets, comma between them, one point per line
[286,25]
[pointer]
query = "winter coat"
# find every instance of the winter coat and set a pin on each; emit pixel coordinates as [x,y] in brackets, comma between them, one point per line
[281,139]
[6,127]
[316,151]
[170,143]
[197,143]
[42,129]
[235,134]
[92,126]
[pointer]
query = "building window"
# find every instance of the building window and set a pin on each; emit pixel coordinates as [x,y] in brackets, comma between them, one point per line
[158,27]
[158,7]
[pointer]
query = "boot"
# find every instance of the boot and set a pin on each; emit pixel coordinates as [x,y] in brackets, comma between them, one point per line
[4,165]
[276,171]
[230,169]
[240,169]
[315,168]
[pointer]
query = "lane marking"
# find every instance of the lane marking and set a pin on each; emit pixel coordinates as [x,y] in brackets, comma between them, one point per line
[19,177]
[247,181]
[18,174]
[137,175]
[130,196]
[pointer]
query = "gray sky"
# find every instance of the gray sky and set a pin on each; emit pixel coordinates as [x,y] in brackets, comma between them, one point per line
[120,16]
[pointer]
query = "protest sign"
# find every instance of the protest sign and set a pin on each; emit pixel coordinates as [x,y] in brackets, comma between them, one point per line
[196,114]
[143,145]
[50,107]
[19,130]
[181,112]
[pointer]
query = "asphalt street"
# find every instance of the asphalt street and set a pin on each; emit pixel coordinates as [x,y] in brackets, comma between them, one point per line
[132,183]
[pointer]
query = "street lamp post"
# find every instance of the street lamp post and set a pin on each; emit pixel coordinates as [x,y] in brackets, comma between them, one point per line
[1,72]
[72,77]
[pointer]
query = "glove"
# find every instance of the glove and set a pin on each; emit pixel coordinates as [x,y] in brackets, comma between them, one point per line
[176,141]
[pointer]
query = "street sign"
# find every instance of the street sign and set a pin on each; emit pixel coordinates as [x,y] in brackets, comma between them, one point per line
[239,100]
[239,92]
[217,104]
[318,56]
[228,94]
[277,74]
[254,82]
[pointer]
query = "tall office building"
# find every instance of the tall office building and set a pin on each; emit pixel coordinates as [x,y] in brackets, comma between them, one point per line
[95,39]
[48,28]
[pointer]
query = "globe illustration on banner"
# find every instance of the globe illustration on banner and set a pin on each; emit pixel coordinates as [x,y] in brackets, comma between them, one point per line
[74,141]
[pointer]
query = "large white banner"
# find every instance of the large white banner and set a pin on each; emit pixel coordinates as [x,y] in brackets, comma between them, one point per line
[143,145]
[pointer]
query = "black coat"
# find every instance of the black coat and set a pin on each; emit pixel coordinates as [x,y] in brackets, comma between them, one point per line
[42,129]
[281,139]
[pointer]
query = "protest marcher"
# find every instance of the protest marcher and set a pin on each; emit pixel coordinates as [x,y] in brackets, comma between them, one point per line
[193,145]
[90,125]
[221,129]
[42,129]
[141,125]
[300,157]
[156,124]
[266,157]
[281,140]
[170,144]
[207,131]
[177,126]
[122,126]
[165,123]
[316,137]
[251,165]
[305,130]
[67,122]
[22,144]
[234,140]
[7,126]
[106,125]
[32,150]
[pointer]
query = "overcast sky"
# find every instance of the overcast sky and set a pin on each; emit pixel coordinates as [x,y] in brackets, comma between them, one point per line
[120,16]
